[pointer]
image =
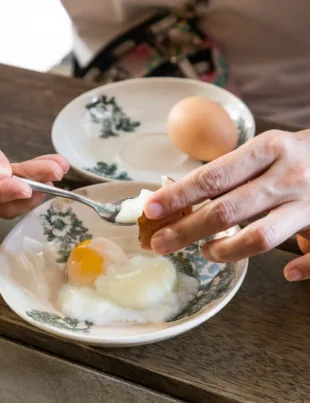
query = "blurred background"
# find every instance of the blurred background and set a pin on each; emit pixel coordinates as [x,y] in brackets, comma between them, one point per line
[29,37]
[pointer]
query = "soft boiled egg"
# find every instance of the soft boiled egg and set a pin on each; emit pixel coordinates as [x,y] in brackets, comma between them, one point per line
[107,286]
[134,282]
[91,258]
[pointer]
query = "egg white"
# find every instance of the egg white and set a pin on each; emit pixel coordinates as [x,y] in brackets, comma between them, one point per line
[83,303]
[139,288]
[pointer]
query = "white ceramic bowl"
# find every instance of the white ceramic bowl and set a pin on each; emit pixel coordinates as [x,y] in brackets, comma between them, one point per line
[31,291]
[124,136]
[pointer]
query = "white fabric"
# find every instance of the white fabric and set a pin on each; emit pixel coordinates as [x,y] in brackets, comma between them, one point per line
[266,44]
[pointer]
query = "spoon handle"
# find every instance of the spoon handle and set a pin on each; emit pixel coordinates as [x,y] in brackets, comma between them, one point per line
[43,188]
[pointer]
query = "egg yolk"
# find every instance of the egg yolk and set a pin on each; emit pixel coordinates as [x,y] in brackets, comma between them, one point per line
[84,265]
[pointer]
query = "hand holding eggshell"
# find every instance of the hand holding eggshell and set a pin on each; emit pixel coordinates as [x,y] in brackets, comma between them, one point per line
[270,173]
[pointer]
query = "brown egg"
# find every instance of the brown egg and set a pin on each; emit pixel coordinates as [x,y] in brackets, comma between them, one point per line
[304,244]
[201,128]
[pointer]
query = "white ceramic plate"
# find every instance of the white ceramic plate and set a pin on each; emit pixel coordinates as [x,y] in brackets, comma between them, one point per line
[124,136]
[31,291]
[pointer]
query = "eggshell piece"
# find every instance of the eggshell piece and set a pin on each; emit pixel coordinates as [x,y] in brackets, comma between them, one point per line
[148,227]
[304,244]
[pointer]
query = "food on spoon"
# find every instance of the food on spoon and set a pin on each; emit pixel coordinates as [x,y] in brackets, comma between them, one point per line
[131,209]
[106,286]
[202,128]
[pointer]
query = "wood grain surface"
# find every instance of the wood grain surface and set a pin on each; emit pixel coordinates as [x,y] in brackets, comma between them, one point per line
[29,376]
[255,350]
[29,103]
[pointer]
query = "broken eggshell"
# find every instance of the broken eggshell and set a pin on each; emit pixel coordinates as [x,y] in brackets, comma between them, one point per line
[148,227]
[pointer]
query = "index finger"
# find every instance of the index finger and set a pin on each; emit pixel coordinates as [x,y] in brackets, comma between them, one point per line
[213,179]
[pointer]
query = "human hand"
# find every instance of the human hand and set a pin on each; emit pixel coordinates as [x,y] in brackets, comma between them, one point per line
[16,197]
[270,173]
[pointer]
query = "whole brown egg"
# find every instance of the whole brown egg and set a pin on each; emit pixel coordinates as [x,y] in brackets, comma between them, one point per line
[202,128]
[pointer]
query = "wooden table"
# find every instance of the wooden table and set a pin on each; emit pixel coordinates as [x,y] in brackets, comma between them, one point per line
[257,349]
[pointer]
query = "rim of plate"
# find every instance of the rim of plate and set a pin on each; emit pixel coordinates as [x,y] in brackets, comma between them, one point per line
[94,92]
[180,327]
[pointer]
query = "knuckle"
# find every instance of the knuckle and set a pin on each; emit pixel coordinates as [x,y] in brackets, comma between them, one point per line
[297,177]
[264,238]
[279,142]
[20,168]
[182,238]
[224,214]
[301,174]
[212,181]
[176,200]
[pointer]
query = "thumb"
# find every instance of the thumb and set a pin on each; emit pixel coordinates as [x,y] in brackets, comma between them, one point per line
[5,167]
[298,269]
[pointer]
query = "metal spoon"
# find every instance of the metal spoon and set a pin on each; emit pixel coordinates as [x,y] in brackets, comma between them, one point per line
[106,211]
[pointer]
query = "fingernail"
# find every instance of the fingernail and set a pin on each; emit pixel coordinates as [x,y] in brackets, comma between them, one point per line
[25,193]
[210,253]
[160,241]
[293,275]
[153,210]
[57,175]
[66,169]
[205,252]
